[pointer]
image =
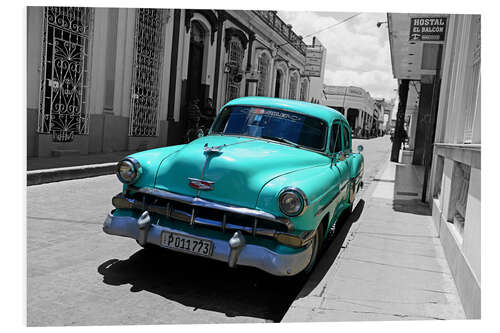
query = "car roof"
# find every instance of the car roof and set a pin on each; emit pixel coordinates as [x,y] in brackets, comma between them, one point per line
[316,110]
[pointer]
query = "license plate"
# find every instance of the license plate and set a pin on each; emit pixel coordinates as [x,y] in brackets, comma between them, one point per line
[186,244]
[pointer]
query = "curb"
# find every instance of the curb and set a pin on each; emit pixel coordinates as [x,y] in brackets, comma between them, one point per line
[37,177]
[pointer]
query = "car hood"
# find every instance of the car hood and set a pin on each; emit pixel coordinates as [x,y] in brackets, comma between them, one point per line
[239,171]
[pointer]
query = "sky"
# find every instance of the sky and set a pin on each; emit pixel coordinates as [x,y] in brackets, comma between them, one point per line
[358,52]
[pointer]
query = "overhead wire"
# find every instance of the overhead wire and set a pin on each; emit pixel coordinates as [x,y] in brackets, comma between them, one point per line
[329,27]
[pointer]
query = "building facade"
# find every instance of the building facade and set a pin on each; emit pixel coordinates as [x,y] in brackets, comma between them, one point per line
[115,79]
[356,105]
[440,85]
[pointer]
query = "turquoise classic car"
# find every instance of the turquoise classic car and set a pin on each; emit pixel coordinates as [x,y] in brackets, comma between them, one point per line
[262,189]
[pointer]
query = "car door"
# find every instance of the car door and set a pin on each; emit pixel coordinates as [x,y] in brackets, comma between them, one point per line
[347,146]
[338,150]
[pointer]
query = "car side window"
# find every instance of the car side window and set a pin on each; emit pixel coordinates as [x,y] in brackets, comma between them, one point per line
[347,139]
[336,139]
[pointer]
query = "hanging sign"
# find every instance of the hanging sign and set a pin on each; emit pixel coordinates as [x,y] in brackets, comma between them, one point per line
[314,57]
[428,28]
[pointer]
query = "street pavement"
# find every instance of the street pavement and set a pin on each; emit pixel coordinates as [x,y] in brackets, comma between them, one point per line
[77,275]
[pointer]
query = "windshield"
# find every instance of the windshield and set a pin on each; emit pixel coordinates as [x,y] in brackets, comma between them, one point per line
[284,126]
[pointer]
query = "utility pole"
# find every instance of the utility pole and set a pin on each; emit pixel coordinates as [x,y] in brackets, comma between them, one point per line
[400,119]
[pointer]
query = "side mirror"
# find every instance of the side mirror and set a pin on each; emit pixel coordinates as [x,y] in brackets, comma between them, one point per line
[360,148]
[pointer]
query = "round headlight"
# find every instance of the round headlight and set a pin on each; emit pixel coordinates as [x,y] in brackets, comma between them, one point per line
[291,202]
[128,170]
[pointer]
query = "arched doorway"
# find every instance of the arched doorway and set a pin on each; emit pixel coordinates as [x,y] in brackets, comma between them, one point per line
[277,87]
[196,60]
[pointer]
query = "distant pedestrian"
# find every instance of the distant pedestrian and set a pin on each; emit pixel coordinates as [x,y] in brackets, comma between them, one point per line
[194,131]
[404,138]
[207,115]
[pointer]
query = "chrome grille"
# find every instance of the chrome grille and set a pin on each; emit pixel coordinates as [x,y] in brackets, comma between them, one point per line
[199,212]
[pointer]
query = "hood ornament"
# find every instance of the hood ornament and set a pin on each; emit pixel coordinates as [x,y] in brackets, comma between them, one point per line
[201,185]
[212,150]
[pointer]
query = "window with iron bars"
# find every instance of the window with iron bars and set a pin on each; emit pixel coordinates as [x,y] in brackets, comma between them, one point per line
[459,195]
[64,72]
[146,73]
[235,61]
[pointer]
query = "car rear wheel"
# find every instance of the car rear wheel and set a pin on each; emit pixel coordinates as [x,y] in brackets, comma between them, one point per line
[316,248]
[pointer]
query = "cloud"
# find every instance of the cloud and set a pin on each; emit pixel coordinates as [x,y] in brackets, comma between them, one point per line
[357,51]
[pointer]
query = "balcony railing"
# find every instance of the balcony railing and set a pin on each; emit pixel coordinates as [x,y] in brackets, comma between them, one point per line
[273,20]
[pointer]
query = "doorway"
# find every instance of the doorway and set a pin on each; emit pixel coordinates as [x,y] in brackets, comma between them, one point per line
[196,57]
[277,87]
[352,114]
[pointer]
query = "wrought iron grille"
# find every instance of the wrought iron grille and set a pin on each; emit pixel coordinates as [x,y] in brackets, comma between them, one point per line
[235,61]
[146,72]
[64,74]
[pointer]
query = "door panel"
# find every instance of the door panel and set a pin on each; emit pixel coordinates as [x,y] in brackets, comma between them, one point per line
[336,147]
[346,143]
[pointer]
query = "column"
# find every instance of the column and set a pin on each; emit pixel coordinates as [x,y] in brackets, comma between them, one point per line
[400,118]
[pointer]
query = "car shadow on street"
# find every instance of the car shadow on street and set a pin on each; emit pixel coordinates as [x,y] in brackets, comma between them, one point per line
[333,245]
[211,285]
[203,283]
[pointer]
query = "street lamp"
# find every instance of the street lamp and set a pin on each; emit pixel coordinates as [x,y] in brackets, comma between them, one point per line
[379,24]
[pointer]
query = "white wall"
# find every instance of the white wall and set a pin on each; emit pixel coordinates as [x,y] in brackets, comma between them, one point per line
[463,250]
[98,61]
[34,50]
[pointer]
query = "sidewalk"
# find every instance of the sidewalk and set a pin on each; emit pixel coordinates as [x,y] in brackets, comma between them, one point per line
[53,169]
[40,163]
[388,266]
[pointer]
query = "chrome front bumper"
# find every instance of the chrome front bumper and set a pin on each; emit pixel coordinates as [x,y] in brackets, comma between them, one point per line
[242,253]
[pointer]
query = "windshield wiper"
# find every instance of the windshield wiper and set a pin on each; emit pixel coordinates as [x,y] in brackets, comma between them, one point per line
[279,139]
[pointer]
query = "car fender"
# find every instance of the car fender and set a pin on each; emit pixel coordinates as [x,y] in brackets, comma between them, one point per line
[321,185]
[150,161]
[357,164]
